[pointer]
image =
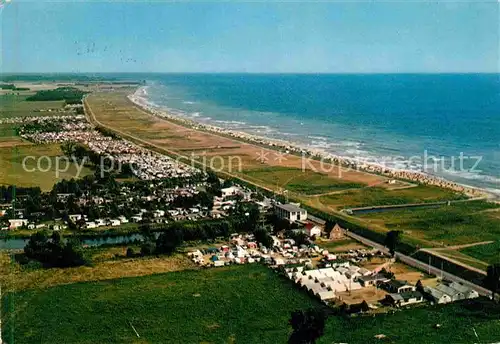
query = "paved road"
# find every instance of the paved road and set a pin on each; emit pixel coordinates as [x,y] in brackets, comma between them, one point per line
[421,265]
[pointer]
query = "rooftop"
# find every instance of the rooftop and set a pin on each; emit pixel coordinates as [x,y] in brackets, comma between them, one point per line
[289,207]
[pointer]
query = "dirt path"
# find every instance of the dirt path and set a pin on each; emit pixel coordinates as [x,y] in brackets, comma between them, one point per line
[459,247]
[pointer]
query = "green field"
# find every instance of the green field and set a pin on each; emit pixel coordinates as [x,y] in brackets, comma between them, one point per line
[249,304]
[17,106]
[378,196]
[489,253]
[303,182]
[12,171]
[417,325]
[239,304]
[460,223]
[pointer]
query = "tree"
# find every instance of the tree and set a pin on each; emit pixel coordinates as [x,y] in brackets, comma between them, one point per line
[392,240]
[419,286]
[170,240]
[53,250]
[300,238]
[307,326]
[130,252]
[147,248]
[492,279]
[262,236]
[329,224]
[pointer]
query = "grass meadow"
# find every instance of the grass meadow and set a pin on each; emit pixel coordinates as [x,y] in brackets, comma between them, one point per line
[379,196]
[489,253]
[18,106]
[242,304]
[238,304]
[301,182]
[459,223]
[12,171]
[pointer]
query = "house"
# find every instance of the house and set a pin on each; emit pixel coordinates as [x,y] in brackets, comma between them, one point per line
[75,217]
[437,295]
[158,213]
[90,225]
[397,286]
[403,299]
[336,233]
[218,263]
[16,223]
[372,280]
[58,227]
[290,211]
[136,218]
[313,230]
[115,222]
[467,292]
[230,191]
[456,291]
[454,294]
[122,219]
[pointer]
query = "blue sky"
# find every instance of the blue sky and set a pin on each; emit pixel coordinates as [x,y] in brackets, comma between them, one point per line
[335,37]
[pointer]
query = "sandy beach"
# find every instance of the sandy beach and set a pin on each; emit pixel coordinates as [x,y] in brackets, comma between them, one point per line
[139,99]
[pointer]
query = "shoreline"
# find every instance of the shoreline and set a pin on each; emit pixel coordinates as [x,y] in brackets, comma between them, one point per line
[419,177]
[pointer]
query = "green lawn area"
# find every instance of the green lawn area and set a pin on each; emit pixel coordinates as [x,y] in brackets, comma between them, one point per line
[249,304]
[304,182]
[379,196]
[459,223]
[489,253]
[13,173]
[417,325]
[238,304]
[17,106]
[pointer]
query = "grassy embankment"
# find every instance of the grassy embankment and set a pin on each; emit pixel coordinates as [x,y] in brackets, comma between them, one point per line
[238,304]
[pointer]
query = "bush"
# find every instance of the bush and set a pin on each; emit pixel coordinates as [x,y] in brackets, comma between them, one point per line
[130,252]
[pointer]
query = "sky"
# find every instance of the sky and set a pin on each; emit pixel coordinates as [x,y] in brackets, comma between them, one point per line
[251,37]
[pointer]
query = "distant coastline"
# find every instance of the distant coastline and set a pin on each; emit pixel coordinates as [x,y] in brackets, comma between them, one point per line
[139,98]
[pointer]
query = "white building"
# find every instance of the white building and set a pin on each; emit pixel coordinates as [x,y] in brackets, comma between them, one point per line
[313,230]
[230,191]
[16,223]
[291,212]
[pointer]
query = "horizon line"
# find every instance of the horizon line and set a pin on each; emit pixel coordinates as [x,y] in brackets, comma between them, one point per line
[254,73]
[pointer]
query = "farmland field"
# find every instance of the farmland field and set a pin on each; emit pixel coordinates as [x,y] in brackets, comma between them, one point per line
[460,223]
[378,196]
[18,106]
[12,171]
[238,304]
[489,253]
[298,181]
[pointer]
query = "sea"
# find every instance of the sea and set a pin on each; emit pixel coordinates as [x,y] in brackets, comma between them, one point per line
[447,125]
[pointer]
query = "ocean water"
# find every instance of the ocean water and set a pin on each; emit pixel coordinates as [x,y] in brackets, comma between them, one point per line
[447,125]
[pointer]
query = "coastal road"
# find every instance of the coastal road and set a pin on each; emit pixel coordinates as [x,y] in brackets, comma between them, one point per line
[420,265]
